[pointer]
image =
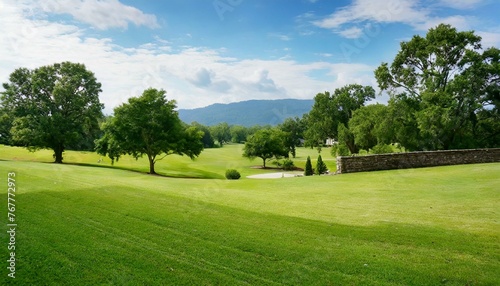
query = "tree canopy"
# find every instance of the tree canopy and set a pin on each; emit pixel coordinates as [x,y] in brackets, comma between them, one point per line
[52,106]
[266,144]
[221,132]
[332,110]
[450,87]
[149,125]
[294,131]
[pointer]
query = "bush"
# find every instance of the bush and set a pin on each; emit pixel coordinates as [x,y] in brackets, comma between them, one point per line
[288,165]
[232,174]
[381,149]
[309,169]
[340,149]
[321,167]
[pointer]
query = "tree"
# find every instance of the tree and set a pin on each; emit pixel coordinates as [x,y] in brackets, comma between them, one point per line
[238,133]
[294,129]
[221,133]
[208,140]
[321,167]
[449,85]
[309,169]
[368,126]
[53,106]
[5,126]
[266,144]
[149,125]
[329,111]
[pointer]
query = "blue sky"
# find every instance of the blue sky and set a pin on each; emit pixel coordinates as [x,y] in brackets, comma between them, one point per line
[220,51]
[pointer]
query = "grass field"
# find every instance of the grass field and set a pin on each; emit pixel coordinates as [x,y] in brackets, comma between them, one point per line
[211,164]
[81,223]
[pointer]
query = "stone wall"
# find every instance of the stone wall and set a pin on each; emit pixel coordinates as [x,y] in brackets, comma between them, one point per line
[351,164]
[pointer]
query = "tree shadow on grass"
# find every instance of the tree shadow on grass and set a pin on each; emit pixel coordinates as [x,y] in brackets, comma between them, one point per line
[209,175]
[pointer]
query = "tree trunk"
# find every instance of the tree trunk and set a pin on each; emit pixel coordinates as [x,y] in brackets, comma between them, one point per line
[264,162]
[151,165]
[58,151]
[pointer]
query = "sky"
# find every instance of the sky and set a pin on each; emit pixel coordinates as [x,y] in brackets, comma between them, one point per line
[220,51]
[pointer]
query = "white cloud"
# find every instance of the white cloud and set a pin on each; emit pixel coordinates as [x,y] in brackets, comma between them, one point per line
[489,39]
[407,12]
[382,11]
[101,14]
[352,33]
[209,77]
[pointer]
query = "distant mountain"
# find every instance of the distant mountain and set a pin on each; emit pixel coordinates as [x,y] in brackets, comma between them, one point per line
[248,113]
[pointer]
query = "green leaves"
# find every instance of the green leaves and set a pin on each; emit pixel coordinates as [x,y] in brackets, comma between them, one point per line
[52,106]
[329,111]
[149,125]
[266,144]
[447,82]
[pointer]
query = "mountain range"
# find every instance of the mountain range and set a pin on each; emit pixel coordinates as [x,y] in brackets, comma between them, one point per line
[248,113]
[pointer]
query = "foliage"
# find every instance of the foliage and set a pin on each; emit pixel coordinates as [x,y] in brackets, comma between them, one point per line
[221,133]
[381,149]
[232,174]
[321,167]
[294,130]
[5,125]
[340,150]
[266,144]
[445,88]
[288,165]
[53,106]
[207,139]
[149,125]
[330,111]
[308,171]
[368,125]
[238,133]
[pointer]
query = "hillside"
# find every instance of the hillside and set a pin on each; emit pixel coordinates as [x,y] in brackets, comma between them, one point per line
[248,113]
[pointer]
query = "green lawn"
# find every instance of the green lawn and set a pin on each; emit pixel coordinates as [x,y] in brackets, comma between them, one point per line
[81,224]
[211,164]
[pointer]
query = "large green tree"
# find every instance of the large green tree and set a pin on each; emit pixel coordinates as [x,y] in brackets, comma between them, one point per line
[266,144]
[449,84]
[149,125]
[331,110]
[52,106]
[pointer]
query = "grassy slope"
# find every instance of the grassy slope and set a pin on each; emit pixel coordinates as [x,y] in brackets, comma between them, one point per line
[212,163]
[81,224]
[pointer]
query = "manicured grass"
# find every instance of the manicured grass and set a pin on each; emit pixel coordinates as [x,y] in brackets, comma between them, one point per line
[211,164]
[87,225]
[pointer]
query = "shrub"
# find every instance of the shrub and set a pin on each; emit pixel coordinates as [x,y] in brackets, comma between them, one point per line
[381,149]
[288,165]
[309,170]
[232,174]
[340,149]
[321,167]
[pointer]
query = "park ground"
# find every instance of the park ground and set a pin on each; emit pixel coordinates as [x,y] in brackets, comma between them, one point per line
[85,222]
